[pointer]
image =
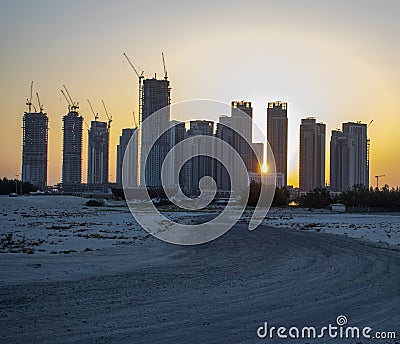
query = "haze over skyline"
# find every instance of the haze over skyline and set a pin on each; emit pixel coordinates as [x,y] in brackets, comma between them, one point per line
[336,61]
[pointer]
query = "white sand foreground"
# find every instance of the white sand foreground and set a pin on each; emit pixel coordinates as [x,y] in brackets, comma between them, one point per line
[220,292]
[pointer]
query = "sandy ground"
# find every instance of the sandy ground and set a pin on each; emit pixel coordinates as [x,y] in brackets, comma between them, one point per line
[219,292]
[383,228]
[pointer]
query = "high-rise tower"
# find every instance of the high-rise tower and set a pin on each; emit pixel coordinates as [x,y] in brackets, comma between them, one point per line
[342,162]
[349,157]
[34,148]
[156,96]
[72,149]
[277,136]
[200,165]
[359,132]
[34,144]
[312,155]
[131,157]
[241,121]
[175,175]
[98,153]
[237,131]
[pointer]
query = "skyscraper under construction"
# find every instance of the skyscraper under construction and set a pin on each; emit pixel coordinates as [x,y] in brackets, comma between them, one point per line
[98,153]
[72,149]
[156,96]
[152,144]
[34,145]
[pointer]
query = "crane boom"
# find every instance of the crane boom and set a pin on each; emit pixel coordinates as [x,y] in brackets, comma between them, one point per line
[30,97]
[65,96]
[38,100]
[108,116]
[96,116]
[165,68]
[105,109]
[69,96]
[133,67]
[29,101]
[140,77]
[74,105]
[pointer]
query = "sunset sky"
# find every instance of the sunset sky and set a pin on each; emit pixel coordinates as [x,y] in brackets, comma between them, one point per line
[335,60]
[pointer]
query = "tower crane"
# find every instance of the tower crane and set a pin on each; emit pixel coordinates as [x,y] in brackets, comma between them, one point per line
[377,180]
[96,115]
[74,106]
[108,116]
[140,77]
[140,102]
[165,68]
[39,104]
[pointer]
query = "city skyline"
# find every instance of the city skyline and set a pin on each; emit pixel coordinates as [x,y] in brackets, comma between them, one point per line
[312,150]
[335,46]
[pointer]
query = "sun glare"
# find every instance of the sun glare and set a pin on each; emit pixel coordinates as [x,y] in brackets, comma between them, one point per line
[264,168]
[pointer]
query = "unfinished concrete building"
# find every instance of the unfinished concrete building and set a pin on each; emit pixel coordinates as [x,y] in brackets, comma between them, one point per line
[72,150]
[98,153]
[156,96]
[34,148]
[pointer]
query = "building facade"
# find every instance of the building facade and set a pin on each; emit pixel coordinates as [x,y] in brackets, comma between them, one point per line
[258,158]
[349,165]
[131,158]
[277,136]
[177,175]
[72,150]
[361,142]
[199,165]
[312,155]
[237,131]
[34,148]
[342,162]
[98,153]
[241,121]
[154,145]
